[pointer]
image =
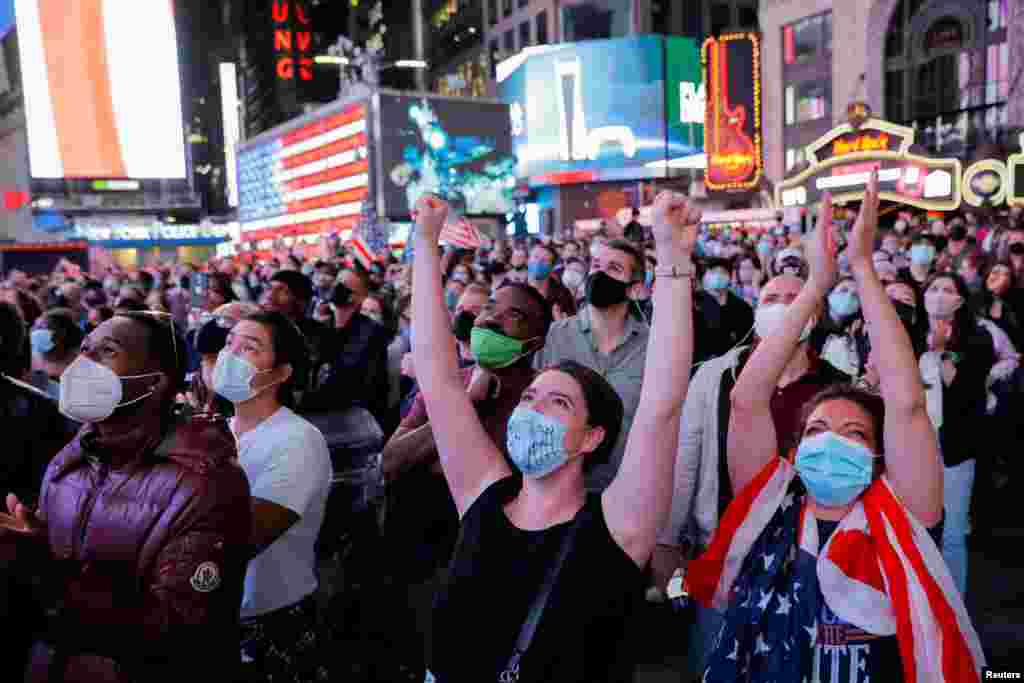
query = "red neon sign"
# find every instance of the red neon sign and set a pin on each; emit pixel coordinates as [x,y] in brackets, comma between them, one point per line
[293,40]
[732,129]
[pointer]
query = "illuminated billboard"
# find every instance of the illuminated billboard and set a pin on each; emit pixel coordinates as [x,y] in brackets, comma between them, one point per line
[732,71]
[311,177]
[621,109]
[102,89]
[842,160]
[459,149]
[685,103]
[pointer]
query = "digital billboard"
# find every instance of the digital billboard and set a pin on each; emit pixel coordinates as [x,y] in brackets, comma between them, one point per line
[587,111]
[685,103]
[618,109]
[732,71]
[458,149]
[313,177]
[102,89]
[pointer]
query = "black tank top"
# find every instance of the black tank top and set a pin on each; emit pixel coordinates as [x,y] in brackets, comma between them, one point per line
[497,570]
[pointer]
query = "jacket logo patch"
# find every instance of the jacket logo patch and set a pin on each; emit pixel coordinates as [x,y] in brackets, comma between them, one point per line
[207,577]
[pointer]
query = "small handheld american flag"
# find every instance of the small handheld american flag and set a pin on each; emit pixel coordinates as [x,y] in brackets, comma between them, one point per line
[370,237]
[461,233]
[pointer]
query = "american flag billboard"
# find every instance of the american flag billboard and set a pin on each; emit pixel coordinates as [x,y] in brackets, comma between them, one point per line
[311,179]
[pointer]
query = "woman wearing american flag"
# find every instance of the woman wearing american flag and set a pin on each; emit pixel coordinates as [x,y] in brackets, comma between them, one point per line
[826,564]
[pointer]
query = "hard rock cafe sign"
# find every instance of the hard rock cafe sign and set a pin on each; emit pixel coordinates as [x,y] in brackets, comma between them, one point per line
[732,124]
[841,161]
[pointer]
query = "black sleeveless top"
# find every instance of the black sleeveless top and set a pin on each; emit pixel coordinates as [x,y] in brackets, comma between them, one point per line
[497,570]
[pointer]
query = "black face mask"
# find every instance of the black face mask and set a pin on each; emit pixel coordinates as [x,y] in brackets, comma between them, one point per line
[604,291]
[462,326]
[1017,248]
[907,314]
[958,234]
[341,296]
[941,242]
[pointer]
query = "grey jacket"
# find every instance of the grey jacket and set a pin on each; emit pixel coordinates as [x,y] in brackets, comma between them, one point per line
[694,515]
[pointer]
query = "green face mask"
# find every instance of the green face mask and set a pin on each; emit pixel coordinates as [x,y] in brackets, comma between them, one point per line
[494,351]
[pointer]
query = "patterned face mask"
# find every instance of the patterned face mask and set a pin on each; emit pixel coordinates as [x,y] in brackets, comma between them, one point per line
[536,443]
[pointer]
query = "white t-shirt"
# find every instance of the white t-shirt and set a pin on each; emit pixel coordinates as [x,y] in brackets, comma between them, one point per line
[287,462]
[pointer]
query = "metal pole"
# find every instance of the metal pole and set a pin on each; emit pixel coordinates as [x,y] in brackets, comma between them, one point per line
[418,48]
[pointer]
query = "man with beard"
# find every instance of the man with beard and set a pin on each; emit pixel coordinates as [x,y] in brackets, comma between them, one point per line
[604,337]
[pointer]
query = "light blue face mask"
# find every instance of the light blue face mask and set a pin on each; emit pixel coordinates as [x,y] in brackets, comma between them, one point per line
[843,303]
[834,469]
[451,299]
[536,443]
[922,255]
[42,341]
[233,376]
[715,281]
[539,271]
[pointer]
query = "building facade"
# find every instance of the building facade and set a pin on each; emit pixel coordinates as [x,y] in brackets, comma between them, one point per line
[951,69]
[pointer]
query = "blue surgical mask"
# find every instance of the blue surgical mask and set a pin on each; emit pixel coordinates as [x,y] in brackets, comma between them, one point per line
[922,254]
[233,376]
[539,271]
[843,303]
[763,249]
[536,443]
[451,299]
[715,281]
[835,469]
[42,341]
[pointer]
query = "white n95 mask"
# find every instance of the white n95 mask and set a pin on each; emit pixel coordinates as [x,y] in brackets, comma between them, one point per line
[91,392]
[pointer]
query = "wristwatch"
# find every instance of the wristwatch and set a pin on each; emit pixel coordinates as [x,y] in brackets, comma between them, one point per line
[675,271]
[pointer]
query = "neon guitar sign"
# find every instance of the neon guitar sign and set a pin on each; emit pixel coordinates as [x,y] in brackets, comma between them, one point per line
[732,120]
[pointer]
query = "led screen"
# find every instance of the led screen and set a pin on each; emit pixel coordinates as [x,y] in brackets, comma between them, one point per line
[313,176]
[588,111]
[685,103]
[102,88]
[460,150]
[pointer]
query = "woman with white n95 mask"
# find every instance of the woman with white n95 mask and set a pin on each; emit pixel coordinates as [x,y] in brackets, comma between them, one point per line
[540,536]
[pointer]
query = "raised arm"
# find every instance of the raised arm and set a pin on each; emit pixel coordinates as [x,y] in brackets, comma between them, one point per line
[752,441]
[470,459]
[912,461]
[637,502]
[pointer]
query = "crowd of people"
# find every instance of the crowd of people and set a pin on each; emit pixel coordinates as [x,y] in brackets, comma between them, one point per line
[777,428]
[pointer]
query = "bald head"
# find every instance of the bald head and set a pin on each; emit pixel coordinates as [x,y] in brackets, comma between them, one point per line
[782,289]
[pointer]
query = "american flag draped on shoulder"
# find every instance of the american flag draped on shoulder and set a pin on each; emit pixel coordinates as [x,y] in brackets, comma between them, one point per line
[880,571]
[369,238]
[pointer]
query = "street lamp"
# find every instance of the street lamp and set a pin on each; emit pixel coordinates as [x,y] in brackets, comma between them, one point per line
[331,59]
[368,67]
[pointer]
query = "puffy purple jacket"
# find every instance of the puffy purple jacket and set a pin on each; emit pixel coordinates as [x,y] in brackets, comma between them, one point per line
[149,539]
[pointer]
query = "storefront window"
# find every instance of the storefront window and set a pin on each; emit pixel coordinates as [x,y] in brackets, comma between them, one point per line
[997,15]
[510,42]
[807,101]
[492,16]
[542,28]
[807,40]
[997,73]
[524,35]
[794,156]
[597,20]
[507,6]
[946,79]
